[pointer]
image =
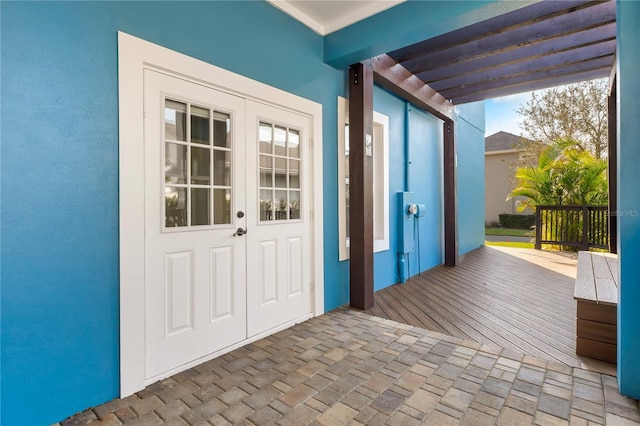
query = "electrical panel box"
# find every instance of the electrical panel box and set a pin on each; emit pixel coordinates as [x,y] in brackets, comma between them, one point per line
[405,199]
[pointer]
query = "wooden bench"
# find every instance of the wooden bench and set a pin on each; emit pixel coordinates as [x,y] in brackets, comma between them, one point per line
[596,293]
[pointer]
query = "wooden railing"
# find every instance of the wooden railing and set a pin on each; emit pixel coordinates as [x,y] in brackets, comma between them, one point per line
[584,227]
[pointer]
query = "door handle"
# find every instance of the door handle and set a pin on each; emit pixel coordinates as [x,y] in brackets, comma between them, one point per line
[240,232]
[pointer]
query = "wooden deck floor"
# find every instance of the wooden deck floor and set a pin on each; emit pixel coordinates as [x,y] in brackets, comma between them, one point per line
[516,299]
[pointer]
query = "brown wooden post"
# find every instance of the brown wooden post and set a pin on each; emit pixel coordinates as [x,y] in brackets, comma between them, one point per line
[538,219]
[450,196]
[585,228]
[361,186]
[613,167]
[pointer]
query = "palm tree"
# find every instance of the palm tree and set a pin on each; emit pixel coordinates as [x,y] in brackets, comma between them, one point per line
[565,175]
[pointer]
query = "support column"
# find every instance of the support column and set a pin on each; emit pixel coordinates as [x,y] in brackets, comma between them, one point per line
[450,197]
[628,88]
[612,136]
[361,186]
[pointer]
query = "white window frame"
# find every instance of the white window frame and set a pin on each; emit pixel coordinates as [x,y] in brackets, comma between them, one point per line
[380,180]
[134,56]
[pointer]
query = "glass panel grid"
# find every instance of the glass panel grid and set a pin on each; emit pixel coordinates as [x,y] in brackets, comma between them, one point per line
[279,166]
[197,173]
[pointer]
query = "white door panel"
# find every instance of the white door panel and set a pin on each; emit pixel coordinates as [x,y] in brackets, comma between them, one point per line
[278,280]
[195,283]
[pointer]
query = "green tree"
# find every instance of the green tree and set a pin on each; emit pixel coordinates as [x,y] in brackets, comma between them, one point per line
[576,112]
[565,175]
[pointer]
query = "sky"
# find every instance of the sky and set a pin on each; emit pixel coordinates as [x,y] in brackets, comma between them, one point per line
[501,114]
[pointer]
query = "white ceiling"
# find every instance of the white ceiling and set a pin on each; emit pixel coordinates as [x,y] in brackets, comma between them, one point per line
[327,16]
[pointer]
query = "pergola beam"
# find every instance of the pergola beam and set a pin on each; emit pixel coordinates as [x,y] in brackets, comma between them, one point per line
[516,18]
[527,86]
[397,79]
[573,21]
[533,65]
[564,43]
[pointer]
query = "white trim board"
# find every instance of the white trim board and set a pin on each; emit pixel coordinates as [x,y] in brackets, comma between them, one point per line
[134,55]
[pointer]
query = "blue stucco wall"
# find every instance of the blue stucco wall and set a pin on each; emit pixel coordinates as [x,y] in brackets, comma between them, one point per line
[59,176]
[425,181]
[470,150]
[628,67]
[59,124]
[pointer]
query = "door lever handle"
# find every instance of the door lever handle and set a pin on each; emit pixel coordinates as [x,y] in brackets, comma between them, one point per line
[240,232]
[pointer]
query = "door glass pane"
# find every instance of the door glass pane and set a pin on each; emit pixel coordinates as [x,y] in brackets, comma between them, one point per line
[294,144]
[222,130]
[294,173]
[266,171]
[266,205]
[294,204]
[200,206]
[280,140]
[200,166]
[175,163]
[279,169]
[264,134]
[221,206]
[175,120]
[281,204]
[175,207]
[199,125]
[221,168]
[281,172]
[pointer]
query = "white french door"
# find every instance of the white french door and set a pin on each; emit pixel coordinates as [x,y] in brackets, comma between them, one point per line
[278,239]
[227,226]
[194,183]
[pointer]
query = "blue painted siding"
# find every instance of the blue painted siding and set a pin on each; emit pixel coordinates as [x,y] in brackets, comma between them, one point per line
[470,149]
[59,174]
[425,181]
[60,303]
[628,66]
[385,263]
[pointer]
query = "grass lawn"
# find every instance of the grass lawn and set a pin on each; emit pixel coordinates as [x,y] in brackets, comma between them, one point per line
[508,232]
[510,244]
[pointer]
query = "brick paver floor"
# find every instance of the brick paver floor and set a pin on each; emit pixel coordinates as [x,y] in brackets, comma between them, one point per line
[346,367]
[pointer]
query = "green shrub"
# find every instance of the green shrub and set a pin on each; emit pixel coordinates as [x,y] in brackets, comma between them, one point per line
[517,221]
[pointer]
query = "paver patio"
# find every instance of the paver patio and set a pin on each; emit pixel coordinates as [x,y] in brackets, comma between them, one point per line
[347,367]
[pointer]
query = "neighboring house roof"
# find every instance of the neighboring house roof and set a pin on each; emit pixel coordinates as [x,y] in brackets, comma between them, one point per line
[501,141]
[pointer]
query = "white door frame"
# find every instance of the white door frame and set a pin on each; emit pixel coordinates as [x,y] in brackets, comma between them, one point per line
[134,55]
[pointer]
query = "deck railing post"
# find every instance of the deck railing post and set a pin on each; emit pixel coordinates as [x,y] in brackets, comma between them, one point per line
[585,228]
[538,225]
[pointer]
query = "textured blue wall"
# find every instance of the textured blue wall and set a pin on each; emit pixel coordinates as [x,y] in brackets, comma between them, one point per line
[385,264]
[470,149]
[59,123]
[628,67]
[59,175]
[426,182]
[425,179]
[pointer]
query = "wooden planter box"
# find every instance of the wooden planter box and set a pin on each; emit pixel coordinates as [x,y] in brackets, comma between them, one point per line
[596,293]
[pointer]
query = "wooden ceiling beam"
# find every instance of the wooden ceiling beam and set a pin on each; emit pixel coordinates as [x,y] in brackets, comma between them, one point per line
[558,44]
[491,26]
[397,79]
[573,21]
[544,74]
[530,65]
[530,85]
